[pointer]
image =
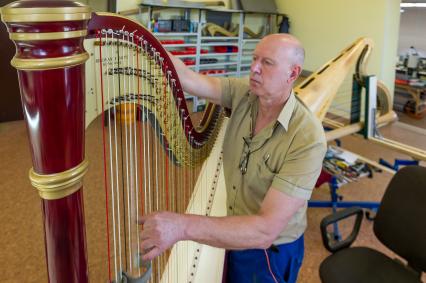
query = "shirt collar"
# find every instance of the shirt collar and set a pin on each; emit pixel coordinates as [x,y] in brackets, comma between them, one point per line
[287,111]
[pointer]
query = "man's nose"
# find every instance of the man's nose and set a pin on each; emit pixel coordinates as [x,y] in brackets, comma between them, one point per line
[255,67]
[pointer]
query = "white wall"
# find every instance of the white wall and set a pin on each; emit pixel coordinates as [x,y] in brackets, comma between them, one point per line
[325,27]
[124,5]
[413,31]
[96,5]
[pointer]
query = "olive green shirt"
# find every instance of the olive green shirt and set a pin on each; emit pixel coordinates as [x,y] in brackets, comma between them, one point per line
[286,155]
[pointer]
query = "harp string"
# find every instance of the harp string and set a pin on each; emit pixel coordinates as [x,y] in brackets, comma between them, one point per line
[153,68]
[343,106]
[127,135]
[104,158]
[112,154]
[145,132]
[134,170]
[121,167]
[135,144]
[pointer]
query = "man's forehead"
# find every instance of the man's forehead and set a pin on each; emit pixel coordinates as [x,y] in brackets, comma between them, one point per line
[281,39]
[263,54]
[271,52]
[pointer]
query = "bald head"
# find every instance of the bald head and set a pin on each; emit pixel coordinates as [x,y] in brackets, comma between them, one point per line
[276,65]
[286,43]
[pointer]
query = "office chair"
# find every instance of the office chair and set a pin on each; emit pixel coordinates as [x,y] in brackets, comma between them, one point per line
[400,224]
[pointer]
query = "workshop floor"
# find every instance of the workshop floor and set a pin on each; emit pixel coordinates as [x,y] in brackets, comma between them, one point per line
[22,257]
[416,122]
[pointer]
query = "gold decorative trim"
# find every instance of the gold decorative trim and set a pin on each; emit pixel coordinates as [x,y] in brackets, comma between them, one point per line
[24,18]
[59,185]
[49,63]
[47,35]
[10,10]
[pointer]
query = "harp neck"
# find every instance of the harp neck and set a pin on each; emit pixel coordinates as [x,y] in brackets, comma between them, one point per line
[318,90]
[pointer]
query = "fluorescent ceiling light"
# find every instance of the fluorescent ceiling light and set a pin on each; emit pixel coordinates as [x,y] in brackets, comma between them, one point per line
[413,5]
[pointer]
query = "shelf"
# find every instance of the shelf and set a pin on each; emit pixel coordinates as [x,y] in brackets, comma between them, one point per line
[251,40]
[184,5]
[233,63]
[218,54]
[170,34]
[202,44]
[202,55]
[219,38]
[223,74]
[218,64]
[219,44]
[181,45]
[199,6]
[186,56]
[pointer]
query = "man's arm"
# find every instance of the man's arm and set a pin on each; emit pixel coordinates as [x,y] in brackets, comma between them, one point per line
[162,230]
[196,84]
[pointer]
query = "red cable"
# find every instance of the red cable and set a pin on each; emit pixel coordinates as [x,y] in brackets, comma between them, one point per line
[167,179]
[104,145]
[269,266]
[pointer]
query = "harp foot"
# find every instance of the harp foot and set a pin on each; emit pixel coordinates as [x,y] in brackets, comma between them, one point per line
[144,278]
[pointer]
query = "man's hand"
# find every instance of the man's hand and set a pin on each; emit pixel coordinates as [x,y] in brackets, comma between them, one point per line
[160,231]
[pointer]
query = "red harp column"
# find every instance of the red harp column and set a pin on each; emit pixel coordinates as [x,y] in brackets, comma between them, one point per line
[50,61]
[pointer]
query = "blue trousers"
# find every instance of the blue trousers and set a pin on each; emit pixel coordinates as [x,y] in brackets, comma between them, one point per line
[251,266]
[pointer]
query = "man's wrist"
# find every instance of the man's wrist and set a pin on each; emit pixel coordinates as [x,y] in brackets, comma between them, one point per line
[184,223]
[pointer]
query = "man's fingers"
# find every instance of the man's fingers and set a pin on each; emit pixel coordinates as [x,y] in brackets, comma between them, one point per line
[151,254]
[147,244]
[145,234]
[142,220]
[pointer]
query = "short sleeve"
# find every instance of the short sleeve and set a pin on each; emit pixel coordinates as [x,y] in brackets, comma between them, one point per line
[301,169]
[232,88]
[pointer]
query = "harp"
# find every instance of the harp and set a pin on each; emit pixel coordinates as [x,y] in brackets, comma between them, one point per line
[144,101]
[339,94]
[319,90]
[153,152]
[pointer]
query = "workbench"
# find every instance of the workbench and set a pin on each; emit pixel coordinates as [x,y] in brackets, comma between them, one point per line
[410,99]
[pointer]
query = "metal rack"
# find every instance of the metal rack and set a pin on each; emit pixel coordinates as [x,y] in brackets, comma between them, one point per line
[231,62]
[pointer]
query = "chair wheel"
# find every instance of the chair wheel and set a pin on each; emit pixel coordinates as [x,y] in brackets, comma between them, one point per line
[370,215]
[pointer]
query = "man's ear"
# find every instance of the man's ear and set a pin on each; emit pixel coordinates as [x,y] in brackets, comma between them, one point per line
[294,73]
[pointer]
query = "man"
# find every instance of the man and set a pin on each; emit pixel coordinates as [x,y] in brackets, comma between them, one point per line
[273,152]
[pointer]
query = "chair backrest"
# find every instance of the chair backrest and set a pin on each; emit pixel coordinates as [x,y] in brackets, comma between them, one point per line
[400,223]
